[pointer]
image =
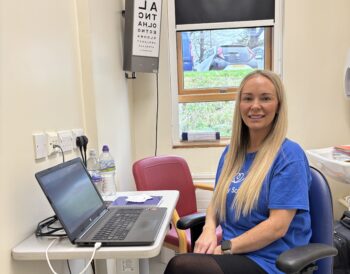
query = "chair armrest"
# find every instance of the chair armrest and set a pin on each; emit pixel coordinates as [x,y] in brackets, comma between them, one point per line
[195,222]
[180,233]
[190,221]
[295,259]
[204,186]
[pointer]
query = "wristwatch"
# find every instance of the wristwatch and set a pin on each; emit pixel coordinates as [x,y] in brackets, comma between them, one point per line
[226,247]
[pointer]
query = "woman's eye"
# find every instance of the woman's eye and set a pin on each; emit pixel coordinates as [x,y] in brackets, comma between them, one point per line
[246,99]
[266,98]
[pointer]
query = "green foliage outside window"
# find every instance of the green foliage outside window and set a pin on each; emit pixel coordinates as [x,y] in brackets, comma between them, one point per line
[210,116]
[215,78]
[207,116]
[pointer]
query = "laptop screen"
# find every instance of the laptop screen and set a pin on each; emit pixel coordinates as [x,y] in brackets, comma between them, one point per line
[72,195]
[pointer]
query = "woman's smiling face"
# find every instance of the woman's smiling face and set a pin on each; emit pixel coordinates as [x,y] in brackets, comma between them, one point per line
[258,104]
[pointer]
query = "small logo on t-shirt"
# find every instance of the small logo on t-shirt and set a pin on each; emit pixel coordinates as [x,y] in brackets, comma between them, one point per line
[238,178]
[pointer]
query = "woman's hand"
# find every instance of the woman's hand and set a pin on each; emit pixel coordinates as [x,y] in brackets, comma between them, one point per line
[217,250]
[207,241]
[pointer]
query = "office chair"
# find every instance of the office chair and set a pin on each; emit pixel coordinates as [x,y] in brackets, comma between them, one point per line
[317,255]
[172,173]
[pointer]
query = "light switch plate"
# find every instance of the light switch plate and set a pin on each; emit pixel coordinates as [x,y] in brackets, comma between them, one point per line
[40,145]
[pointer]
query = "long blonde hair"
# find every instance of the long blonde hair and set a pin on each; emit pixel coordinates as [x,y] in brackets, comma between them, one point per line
[247,196]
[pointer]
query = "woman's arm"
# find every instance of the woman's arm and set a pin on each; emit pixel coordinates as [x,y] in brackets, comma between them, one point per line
[268,231]
[207,241]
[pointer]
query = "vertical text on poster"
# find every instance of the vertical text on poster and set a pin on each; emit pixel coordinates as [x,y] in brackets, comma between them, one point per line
[146,29]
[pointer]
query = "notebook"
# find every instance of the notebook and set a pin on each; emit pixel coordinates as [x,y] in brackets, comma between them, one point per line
[84,216]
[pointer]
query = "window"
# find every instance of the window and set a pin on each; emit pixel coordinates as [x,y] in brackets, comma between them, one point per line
[213,53]
[210,67]
[212,63]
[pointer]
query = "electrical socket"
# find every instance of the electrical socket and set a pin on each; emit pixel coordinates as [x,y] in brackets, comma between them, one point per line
[76,133]
[52,139]
[65,140]
[128,266]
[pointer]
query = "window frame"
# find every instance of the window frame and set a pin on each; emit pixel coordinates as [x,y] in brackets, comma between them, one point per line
[214,94]
[173,29]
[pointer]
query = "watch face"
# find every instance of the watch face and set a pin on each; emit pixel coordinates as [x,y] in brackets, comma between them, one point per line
[226,245]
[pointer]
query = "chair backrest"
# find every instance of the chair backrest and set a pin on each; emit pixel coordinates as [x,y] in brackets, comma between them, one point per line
[167,173]
[321,212]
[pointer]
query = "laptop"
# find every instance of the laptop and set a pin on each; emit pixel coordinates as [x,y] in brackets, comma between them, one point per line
[85,217]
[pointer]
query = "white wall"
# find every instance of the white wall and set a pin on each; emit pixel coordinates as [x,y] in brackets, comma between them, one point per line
[316,39]
[40,90]
[315,50]
[101,32]
[57,71]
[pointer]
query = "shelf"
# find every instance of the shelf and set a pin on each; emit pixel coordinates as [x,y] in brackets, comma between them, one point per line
[332,163]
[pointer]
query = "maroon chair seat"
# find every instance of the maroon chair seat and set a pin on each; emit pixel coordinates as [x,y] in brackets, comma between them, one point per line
[171,173]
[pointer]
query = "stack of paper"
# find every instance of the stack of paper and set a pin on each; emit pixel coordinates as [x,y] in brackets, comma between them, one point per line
[141,199]
[343,149]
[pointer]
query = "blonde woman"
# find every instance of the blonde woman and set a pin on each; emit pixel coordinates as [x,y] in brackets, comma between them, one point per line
[261,194]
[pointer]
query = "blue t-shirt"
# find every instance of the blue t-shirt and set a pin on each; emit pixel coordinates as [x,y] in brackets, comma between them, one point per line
[285,187]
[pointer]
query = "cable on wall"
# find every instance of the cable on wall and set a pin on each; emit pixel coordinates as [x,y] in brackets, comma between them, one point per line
[57,146]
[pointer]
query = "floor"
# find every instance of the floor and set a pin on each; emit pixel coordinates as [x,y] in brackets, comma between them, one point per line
[156,267]
[157,264]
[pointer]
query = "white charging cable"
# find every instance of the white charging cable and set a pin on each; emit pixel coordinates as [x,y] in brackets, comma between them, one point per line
[96,246]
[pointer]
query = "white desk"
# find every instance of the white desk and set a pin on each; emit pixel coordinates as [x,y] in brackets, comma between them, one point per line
[33,248]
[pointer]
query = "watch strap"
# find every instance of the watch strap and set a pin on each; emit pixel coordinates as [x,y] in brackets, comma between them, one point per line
[226,247]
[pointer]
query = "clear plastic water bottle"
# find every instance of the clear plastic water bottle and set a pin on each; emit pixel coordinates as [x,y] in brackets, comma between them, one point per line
[93,167]
[107,171]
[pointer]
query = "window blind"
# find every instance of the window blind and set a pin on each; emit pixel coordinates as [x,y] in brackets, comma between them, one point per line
[215,11]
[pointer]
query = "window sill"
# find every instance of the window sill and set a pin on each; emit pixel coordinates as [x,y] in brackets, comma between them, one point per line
[199,144]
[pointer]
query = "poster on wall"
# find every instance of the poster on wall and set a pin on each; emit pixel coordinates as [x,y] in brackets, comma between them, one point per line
[146,29]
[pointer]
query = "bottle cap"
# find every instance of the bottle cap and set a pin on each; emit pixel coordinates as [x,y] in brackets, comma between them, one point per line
[105,148]
[92,152]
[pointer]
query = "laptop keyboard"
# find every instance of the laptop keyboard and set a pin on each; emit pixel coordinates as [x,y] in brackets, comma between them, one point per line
[119,225]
